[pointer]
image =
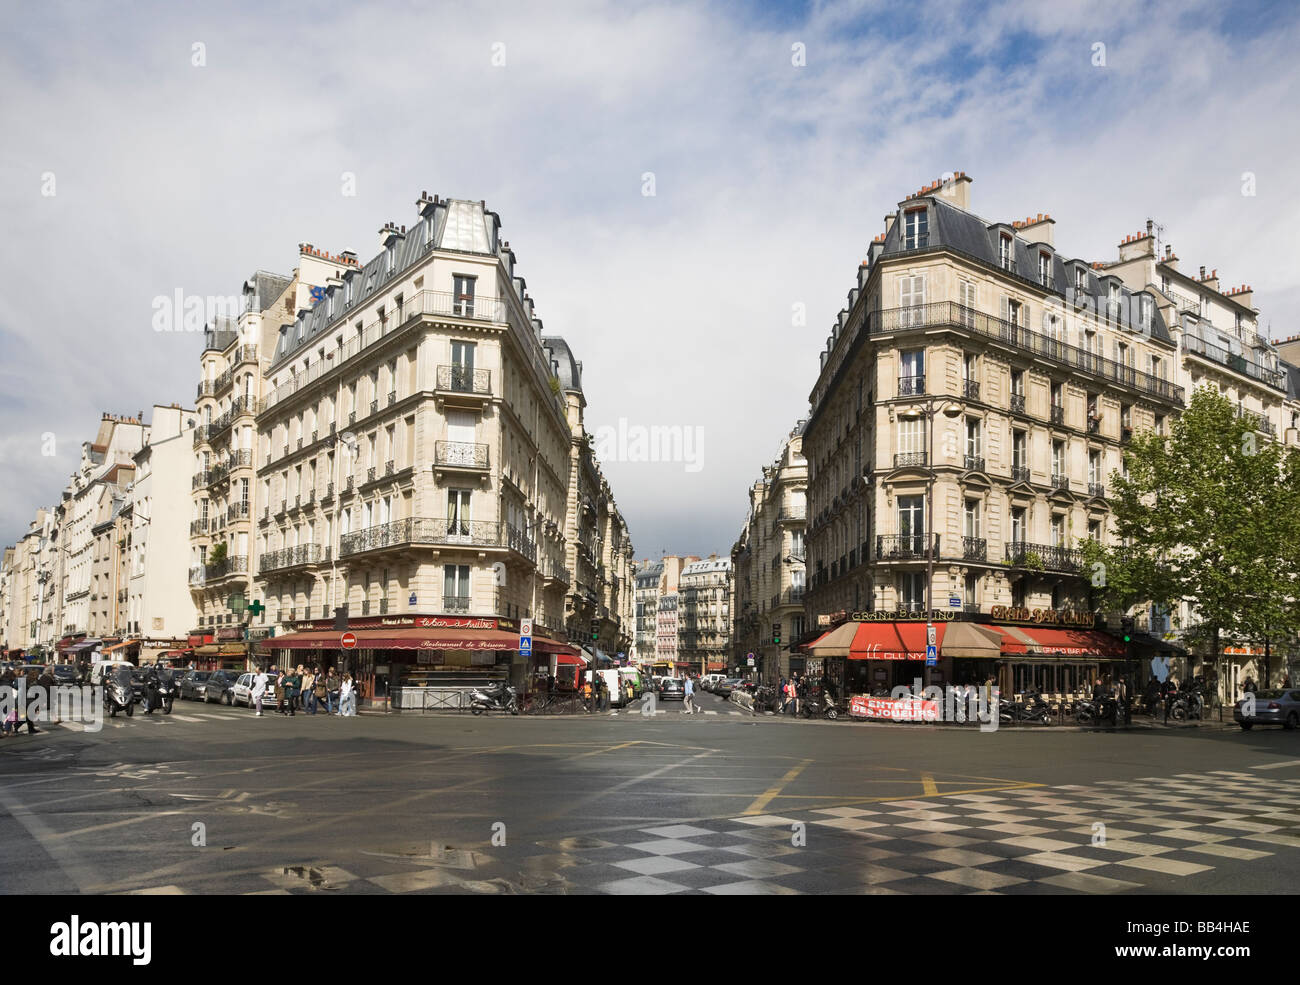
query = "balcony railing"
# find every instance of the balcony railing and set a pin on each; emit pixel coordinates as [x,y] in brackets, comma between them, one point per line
[1020,473]
[971,389]
[1058,414]
[464,379]
[234,564]
[1043,557]
[202,433]
[1234,361]
[200,479]
[910,459]
[432,531]
[902,547]
[206,388]
[1060,481]
[289,557]
[1097,489]
[1017,403]
[237,511]
[198,526]
[911,386]
[975,548]
[460,454]
[974,463]
[940,314]
[1094,425]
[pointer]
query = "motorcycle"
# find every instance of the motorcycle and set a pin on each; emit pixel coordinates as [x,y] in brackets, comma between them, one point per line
[1098,709]
[1033,710]
[118,695]
[159,692]
[494,697]
[1187,704]
[818,704]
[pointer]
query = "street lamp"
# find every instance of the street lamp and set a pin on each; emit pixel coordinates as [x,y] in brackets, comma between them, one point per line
[927,410]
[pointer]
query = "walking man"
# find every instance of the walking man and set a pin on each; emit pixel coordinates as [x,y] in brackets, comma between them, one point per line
[689,699]
[259,689]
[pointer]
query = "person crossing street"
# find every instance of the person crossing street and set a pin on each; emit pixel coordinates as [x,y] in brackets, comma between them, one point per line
[689,699]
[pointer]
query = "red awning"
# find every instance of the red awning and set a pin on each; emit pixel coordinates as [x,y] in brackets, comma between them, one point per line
[571,659]
[544,644]
[1021,640]
[890,641]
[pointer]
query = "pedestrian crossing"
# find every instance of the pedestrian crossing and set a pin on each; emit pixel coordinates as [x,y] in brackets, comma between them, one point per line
[157,719]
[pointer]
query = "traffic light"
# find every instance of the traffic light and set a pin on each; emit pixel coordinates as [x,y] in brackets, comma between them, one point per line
[776,634]
[1126,626]
[595,630]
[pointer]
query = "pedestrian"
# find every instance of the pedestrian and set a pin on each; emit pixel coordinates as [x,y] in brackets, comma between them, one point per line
[1287,681]
[689,699]
[260,682]
[319,691]
[292,684]
[332,686]
[1249,686]
[297,688]
[347,697]
[587,693]
[309,691]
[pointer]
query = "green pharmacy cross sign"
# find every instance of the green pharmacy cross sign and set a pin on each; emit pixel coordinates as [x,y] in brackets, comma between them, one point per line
[256,607]
[237,603]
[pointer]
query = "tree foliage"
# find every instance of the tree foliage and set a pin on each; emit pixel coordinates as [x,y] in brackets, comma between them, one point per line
[1208,515]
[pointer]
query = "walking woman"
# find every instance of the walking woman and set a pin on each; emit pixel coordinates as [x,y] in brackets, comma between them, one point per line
[347,697]
[309,691]
[280,677]
[290,682]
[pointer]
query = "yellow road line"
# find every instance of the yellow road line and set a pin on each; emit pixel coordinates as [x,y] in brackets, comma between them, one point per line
[597,752]
[928,785]
[759,805]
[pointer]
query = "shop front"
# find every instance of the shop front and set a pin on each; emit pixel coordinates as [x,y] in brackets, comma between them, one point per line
[424,662]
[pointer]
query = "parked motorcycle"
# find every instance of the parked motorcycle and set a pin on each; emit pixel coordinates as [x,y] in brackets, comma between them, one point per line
[819,704]
[159,692]
[1187,704]
[494,697]
[1097,709]
[118,695]
[1032,710]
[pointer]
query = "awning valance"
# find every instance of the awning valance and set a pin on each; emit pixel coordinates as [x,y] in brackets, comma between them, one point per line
[118,646]
[398,639]
[1030,640]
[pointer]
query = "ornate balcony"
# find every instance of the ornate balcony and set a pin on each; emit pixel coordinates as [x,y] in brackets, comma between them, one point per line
[905,547]
[290,557]
[1017,403]
[1043,557]
[438,532]
[1060,481]
[975,548]
[973,463]
[1020,473]
[971,389]
[460,455]
[464,380]
[1058,414]
[911,386]
[1097,489]
[910,459]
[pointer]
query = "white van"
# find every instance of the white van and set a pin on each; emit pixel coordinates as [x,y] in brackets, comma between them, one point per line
[100,668]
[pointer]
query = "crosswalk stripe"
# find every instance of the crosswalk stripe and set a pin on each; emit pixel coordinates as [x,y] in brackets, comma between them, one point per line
[185,718]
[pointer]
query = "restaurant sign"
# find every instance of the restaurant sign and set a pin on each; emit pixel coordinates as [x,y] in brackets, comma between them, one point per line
[1043,617]
[417,622]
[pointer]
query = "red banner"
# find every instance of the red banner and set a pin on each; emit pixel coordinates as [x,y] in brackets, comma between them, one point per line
[894,709]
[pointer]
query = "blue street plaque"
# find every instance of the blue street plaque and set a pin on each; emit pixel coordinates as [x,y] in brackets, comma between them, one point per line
[931,656]
[525,644]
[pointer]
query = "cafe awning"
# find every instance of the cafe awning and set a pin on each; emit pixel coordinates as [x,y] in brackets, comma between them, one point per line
[875,641]
[118,646]
[1040,641]
[82,645]
[972,640]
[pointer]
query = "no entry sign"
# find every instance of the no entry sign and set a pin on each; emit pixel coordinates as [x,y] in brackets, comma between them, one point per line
[348,641]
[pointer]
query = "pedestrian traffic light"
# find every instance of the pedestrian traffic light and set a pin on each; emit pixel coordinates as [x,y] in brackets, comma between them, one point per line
[776,634]
[595,630]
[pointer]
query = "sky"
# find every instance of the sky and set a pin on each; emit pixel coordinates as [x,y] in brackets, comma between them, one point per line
[689,188]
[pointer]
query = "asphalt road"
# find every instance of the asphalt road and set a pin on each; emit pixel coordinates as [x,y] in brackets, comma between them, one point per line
[214,800]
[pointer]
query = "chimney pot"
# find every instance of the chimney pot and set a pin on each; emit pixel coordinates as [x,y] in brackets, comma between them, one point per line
[1202,273]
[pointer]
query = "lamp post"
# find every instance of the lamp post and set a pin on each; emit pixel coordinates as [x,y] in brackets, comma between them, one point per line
[927,410]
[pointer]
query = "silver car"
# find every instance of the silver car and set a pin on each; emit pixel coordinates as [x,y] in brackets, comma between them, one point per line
[1272,707]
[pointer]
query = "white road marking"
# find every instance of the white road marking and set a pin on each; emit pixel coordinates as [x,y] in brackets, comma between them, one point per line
[185,718]
[1277,766]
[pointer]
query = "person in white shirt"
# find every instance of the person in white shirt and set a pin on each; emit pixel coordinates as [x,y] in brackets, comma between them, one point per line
[348,697]
[259,689]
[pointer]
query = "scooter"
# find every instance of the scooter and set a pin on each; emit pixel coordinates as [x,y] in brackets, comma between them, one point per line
[819,705]
[118,695]
[494,697]
[159,692]
[1090,712]
[1187,704]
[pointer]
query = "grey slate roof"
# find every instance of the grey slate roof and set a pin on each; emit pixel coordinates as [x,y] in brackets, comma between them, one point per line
[568,369]
[448,224]
[1292,379]
[965,232]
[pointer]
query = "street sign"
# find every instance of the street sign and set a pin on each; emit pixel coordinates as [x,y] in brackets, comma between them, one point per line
[750,657]
[929,637]
[751,660]
[348,641]
[412,600]
[954,601]
[525,646]
[525,627]
[931,655]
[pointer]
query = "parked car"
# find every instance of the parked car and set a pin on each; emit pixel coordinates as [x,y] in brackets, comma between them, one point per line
[192,684]
[219,687]
[65,673]
[241,693]
[723,689]
[1272,707]
[672,689]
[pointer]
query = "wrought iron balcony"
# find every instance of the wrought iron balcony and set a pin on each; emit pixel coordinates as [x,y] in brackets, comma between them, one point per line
[200,479]
[371,474]
[911,386]
[1234,361]
[1094,424]
[1043,557]
[1125,435]
[198,526]
[374,407]
[237,511]
[1097,489]
[201,434]
[464,379]
[246,354]
[460,454]
[1017,403]
[904,547]
[392,398]
[1020,473]
[235,564]
[456,604]
[206,388]
[1058,414]
[436,531]
[975,548]
[910,459]
[290,557]
[974,463]
[971,389]
[1060,481]
[389,467]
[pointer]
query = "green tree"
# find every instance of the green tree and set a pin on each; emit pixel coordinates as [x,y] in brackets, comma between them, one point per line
[1208,515]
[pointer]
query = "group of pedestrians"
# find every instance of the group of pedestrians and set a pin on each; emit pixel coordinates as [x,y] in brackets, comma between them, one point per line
[792,692]
[9,679]
[304,689]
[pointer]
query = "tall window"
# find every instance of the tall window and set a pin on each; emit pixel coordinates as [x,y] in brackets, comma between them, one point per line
[463,296]
[911,590]
[1044,269]
[1058,459]
[1058,529]
[971,519]
[916,229]
[911,435]
[458,515]
[911,372]
[1019,450]
[1006,253]
[1019,524]
[966,298]
[911,298]
[973,443]
[455,584]
[911,522]
[1094,467]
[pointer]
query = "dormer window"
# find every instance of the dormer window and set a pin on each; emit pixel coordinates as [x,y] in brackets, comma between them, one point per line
[1145,309]
[1081,280]
[1112,302]
[1045,269]
[347,289]
[329,303]
[1007,253]
[392,259]
[916,229]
